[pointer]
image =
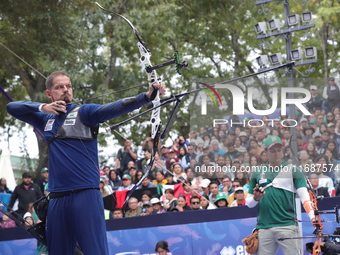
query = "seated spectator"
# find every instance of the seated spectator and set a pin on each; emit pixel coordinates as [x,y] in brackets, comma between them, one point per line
[157,205]
[147,208]
[146,184]
[190,175]
[204,185]
[134,209]
[231,151]
[238,145]
[239,197]
[184,157]
[221,200]
[162,247]
[114,180]
[102,188]
[305,161]
[7,222]
[206,152]
[170,200]
[322,164]
[311,151]
[182,204]
[214,190]
[235,184]
[126,184]
[160,178]
[3,186]
[178,172]
[195,203]
[195,190]
[243,177]
[205,203]
[172,158]
[133,173]
[319,191]
[226,185]
[170,179]
[146,196]
[117,213]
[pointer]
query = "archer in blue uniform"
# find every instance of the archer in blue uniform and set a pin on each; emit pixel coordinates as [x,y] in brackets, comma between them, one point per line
[76,211]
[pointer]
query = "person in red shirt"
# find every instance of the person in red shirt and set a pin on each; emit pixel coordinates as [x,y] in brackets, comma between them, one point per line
[239,197]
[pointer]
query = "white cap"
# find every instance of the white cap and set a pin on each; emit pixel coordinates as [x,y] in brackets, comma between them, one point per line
[155,200]
[239,188]
[205,183]
[313,87]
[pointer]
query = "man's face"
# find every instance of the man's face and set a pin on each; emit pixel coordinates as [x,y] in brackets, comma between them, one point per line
[27,180]
[195,204]
[214,146]
[231,148]
[148,209]
[239,195]
[126,182]
[226,182]
[61,89]
[145,182]
[44,174]
[275,154]
[117,214]
[325,136]
[213,189]
[127,143]
[133,204]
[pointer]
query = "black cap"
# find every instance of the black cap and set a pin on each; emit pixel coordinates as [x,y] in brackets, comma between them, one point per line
[26,174]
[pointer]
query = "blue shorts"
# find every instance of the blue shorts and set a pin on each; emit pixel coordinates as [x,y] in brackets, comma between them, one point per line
[77,218]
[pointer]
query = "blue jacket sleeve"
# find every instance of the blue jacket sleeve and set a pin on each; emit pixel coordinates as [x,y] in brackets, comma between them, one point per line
[28,112]
[92,114]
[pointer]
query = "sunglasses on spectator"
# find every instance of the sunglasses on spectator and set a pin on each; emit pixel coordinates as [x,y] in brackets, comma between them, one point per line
[195,203]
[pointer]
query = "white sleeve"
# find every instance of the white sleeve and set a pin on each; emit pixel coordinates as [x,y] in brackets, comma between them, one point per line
[250,202]
[305,200]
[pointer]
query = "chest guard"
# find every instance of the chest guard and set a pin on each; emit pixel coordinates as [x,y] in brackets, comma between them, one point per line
[73,127]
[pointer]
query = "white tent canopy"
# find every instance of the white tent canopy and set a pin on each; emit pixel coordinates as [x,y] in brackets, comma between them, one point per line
[6,170]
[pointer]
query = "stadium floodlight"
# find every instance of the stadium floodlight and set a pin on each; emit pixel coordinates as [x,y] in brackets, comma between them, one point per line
[307,17]
[296,54]
[261,28]
[293,20]
[274,24]
[310,52]
[262,61]
[276,58]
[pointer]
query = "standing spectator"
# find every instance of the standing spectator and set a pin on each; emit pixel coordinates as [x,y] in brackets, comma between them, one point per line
[3,187]
[74,146]
[276,215]
[232,152]
[44,179]
[26,192]
[332,94]
[214,190]
[311,151]
[178,172]
[315,101]
[134,209]
[125,155]
[146,183]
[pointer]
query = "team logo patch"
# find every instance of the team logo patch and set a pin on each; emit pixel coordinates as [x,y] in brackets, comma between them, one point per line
[72,115]
[49,125]
[70,122]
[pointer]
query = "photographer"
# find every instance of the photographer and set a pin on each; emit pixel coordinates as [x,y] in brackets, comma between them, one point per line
[328,246]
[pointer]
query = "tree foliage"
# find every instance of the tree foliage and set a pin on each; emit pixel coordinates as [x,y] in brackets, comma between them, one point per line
[99,50]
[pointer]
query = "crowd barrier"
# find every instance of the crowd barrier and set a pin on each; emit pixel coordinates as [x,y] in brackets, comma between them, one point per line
[218,231]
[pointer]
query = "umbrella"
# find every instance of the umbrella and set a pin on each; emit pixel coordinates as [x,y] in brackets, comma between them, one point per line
[6,170]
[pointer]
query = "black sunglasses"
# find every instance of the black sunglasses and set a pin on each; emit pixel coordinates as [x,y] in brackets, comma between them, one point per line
[195,203]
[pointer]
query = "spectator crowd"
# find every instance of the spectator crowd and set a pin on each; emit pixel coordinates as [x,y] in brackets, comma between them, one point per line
[211,167]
